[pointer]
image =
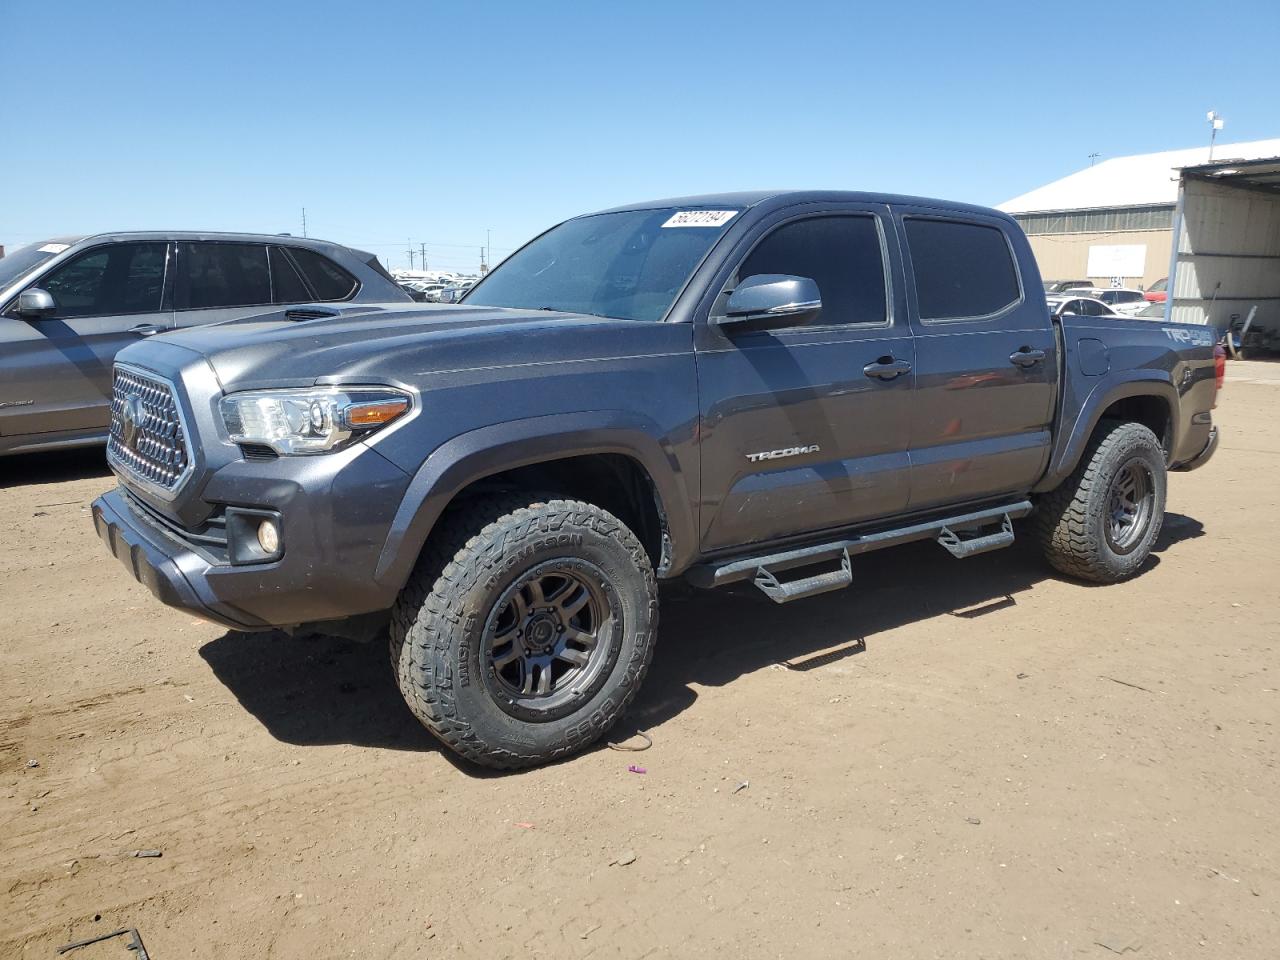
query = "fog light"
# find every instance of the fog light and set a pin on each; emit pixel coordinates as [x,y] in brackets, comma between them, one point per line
[269,536]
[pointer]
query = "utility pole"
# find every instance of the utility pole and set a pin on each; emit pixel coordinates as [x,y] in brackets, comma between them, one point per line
[1216,123]
[304,221]
[1093,157]
[484,267]
[423,258]
[411,252]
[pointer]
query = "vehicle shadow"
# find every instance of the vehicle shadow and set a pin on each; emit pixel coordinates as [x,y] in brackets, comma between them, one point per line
[321,690]
[54,467]
[712,638]
[317,690]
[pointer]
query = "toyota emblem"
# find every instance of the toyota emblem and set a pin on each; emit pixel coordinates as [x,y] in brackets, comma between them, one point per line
[131,417]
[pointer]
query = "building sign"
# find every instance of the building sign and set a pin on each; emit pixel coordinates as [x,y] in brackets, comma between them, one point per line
[1118,260]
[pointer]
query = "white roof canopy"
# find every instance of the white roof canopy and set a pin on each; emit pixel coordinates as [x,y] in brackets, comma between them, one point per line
[1145,179]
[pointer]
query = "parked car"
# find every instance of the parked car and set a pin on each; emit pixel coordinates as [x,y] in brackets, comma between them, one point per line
[69,304]
[1058,286]
[455,291]
[721,389]
[1123,301]
[423,291]
[1151,311]
[1158,292]
[1079,307]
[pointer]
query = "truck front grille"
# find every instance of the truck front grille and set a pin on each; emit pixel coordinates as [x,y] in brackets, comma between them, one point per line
[147,439]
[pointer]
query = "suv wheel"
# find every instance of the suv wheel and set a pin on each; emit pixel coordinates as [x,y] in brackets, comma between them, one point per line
[1101,523]
[526,629]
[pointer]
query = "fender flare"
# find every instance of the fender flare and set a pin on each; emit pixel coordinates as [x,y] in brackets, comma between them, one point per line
[493,449]
[1136,383]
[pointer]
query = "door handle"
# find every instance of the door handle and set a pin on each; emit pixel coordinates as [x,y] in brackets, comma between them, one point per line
[886,368]
[1026,357]
[146,329]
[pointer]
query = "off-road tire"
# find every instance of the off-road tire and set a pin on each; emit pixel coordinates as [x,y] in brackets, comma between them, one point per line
[1071,522]
[438,649]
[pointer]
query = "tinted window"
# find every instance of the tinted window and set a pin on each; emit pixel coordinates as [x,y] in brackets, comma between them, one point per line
[962,269]
[223,275]
[286,285]
[120,278]
[841,254]
[327,279]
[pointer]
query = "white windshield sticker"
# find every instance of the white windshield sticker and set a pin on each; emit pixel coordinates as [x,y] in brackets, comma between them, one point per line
[53,247]
[700,218]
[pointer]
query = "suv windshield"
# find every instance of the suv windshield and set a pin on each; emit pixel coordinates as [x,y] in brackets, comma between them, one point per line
[27,258]
[628,265]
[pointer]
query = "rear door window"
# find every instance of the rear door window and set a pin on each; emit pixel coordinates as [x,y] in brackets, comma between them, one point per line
[327,279]
[120,278]
[223,275]
[842,254]
[963,271]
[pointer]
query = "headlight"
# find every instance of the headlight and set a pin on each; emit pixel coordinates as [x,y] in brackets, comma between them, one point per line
[311,420]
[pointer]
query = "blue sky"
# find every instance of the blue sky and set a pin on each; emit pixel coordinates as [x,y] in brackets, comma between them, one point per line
[433,122]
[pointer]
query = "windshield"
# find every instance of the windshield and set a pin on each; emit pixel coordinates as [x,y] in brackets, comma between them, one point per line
[25,259]
[628,265]
[1159,286]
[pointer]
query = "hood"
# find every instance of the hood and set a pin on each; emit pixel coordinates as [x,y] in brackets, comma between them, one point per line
[393,345]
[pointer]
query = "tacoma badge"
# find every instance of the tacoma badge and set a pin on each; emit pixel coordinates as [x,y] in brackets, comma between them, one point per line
[784,452]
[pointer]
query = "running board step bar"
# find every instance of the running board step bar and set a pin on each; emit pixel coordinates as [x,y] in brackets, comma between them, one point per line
[962,547]
[764,569]
[780,592]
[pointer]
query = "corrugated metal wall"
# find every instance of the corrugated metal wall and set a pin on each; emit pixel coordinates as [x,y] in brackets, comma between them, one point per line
[1228,256]
[1066,256]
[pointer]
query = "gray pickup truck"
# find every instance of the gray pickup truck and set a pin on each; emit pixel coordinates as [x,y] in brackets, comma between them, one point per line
[745,387]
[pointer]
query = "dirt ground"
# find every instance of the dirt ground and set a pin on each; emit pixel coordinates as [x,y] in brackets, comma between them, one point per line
[949,759]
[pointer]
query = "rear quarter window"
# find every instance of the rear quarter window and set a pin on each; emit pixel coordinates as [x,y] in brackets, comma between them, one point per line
[327,279]
[962,270]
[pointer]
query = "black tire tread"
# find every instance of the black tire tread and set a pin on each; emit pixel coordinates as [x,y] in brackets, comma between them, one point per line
[461,547]
[1062,521]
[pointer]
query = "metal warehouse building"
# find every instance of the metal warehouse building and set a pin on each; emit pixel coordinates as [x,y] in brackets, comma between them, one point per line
[1118,221]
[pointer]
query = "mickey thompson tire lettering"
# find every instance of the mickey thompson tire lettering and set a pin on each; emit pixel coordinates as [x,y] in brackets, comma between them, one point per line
[438,647]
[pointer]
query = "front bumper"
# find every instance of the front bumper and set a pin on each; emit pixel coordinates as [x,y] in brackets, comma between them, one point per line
[159,563]
[1203,457]
[336,513]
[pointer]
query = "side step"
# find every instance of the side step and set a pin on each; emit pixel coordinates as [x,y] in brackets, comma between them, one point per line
[779,592]
[764,569]
[962,547]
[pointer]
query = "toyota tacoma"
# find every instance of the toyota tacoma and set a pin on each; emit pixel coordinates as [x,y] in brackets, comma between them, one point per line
[743,387]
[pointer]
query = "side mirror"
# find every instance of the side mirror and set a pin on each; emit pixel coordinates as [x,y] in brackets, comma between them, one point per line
[35,303]
[772,300]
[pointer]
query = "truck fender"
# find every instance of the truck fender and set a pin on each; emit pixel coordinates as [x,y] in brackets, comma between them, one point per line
[490,450]
[1132,383]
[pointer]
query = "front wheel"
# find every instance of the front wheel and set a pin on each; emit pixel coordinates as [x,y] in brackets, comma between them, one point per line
[1101,524]
[526,630]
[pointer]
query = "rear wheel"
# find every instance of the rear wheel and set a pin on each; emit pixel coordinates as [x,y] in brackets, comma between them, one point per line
[526,630]
[1101,524]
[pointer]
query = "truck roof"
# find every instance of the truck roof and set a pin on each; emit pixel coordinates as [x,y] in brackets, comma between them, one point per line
[778,198]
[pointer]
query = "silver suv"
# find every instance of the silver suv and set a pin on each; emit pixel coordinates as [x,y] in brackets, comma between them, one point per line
[69,304]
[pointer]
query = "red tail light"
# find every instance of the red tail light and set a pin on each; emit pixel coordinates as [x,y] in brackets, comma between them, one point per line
[1219,368]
